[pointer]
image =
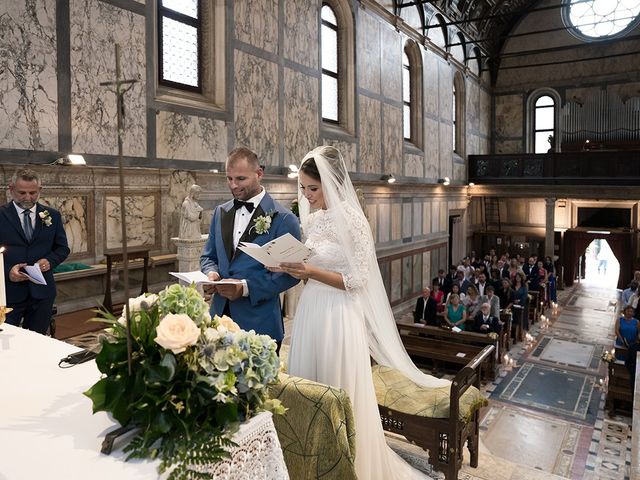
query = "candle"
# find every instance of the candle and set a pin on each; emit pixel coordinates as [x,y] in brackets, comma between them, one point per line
[3,293]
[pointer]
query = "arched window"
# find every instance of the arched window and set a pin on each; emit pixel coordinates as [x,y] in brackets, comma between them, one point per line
[330,69]
[543,123]
[412,93]
[406,95]
[457,114]
[337,60]
[543,118]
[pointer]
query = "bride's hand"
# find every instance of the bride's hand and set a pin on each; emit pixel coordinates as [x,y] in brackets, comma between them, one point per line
[300,271]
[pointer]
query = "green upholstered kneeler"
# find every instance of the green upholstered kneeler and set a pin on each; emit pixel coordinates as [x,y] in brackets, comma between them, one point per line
[394,390]
[317,434]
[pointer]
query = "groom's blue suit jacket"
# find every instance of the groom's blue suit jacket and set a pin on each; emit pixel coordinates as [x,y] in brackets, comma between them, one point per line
[48,242]
[260,311]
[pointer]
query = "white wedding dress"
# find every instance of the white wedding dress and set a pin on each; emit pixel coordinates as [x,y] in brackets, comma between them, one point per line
[329,345]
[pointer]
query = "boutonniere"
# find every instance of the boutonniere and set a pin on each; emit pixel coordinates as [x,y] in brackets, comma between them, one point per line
[45,216]
[262,223]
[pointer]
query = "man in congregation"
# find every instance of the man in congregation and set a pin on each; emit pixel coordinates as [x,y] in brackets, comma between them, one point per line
[492,299]
[32,235]
[484,322]
[253,300]
[426,309]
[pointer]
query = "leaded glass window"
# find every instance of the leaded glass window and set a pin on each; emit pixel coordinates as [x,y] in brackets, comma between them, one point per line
[595,19]
[543,123]
[329,59]
[180,44]
[406,95]
[454,115]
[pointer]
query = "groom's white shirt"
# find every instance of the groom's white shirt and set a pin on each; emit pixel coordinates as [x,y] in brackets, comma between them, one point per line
[240,224]
[243,216]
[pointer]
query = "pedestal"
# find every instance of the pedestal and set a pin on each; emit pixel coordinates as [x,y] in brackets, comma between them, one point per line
[189,252]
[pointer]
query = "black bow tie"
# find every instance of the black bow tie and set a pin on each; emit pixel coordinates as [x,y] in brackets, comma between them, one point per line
[239,204]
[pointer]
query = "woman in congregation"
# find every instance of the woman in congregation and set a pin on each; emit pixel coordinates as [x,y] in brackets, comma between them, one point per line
[626,330]
[438,296]
[455,290]
[472,301]
[455,314]
[344,309]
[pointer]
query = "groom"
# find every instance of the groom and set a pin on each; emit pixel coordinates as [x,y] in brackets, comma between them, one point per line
[253,301]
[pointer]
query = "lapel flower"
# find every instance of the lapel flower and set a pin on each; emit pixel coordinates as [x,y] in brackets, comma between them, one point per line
[262,223]
[45,217]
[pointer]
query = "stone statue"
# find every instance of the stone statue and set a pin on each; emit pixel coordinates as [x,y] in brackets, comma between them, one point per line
[190,215]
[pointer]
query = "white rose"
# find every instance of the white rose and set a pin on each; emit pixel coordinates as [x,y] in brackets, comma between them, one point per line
[176,332]
[227,323]
[135,304]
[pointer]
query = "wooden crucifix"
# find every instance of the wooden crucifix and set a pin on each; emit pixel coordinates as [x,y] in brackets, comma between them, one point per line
[119,83]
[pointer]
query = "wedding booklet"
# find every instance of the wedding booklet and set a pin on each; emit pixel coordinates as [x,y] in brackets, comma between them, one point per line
[200,278]
[286,248]
[34,273]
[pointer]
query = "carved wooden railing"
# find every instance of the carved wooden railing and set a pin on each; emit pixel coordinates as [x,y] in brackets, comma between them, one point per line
[615,167]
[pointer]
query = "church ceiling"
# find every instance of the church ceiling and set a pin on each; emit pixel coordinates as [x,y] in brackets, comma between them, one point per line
[485,23]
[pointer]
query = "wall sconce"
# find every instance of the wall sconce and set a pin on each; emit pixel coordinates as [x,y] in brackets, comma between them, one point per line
[444,181]
[388,178]
[585,146]
[292,171]
[471,184]
[70,159]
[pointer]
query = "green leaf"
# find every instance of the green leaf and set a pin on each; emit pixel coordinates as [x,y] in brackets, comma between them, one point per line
[97,394]
[169,362]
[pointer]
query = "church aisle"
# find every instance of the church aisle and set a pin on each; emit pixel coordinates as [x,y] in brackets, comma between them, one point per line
[552,401]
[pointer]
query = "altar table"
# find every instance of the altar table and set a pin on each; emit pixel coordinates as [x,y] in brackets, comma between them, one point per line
[47,429]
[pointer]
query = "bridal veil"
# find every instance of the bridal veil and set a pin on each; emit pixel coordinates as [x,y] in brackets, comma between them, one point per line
[385,345]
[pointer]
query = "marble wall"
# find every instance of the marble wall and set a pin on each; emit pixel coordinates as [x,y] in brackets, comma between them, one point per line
[95,29]
[256,106]
[188,137]
[79,221]
[28,83]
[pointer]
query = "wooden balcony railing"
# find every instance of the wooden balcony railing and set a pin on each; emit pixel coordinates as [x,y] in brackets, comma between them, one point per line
[602,167]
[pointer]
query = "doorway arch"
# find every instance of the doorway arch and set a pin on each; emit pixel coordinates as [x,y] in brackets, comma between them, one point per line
[576,241]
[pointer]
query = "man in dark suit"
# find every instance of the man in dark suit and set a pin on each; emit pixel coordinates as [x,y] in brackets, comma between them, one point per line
[32,234]
[254,300]
[426,309]
[483,322]
[443,282]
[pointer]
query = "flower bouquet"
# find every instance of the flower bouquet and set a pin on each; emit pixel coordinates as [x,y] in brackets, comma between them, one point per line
[194,379]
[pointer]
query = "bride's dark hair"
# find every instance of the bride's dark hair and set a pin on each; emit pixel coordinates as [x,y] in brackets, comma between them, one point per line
[332,156]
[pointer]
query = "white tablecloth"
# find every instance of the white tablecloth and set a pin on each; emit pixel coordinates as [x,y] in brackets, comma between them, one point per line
[47,429]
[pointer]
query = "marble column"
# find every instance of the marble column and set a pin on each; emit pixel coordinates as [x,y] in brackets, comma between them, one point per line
[549,226]
[189,251]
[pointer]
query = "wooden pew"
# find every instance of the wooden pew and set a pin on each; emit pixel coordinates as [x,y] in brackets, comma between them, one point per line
[619,389]
[444,346]
[444,438]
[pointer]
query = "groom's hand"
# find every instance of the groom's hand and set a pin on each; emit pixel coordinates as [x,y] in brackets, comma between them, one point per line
[211,289]
[230,291]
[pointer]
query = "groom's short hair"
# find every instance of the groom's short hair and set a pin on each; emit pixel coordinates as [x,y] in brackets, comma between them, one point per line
[240,153]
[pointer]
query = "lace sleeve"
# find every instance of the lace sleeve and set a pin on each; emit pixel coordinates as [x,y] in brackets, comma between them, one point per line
[362,250]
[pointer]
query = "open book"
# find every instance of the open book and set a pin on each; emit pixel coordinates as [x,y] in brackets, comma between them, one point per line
[34,273]
[286,248]
[200,278]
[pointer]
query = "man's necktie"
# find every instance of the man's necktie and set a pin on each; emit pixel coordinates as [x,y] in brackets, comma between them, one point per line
[237,204]
[26,224]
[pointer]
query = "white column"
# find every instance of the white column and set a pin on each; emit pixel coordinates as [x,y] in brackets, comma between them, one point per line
[549,226]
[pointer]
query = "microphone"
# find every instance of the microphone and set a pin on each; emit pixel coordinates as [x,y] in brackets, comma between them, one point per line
[83,355]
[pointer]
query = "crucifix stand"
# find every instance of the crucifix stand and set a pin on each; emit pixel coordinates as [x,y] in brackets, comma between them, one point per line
[119,83]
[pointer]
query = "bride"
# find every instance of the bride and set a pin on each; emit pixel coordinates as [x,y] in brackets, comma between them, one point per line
[343,315]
